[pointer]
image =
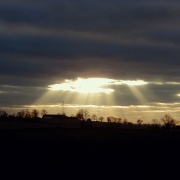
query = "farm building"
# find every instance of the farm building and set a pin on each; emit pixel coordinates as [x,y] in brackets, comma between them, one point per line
[61,120]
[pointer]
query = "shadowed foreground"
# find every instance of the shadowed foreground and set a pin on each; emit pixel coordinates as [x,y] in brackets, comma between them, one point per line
[89,152]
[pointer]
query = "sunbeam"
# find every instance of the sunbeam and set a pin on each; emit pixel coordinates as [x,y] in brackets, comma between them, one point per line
[104,97]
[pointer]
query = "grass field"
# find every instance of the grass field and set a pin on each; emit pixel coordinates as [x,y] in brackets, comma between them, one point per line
[58,151]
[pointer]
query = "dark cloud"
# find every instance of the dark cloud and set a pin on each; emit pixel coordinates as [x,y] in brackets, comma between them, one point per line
[169,36]
[40,55]
[102,16]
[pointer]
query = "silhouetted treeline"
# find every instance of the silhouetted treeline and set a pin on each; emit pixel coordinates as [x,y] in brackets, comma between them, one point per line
[24,113]
[167,122]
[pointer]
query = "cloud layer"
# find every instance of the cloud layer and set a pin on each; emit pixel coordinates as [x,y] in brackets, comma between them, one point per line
[47,41]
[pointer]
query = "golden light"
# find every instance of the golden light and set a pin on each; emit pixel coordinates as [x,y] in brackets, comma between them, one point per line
[130,82]
[93,85]
[135,83]
[89,85]
[96,94]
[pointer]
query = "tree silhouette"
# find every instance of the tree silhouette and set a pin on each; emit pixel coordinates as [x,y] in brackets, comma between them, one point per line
[139,121]
[155,121]
[21,114]
[94,117]
[28,114]
[101,118]
[168,121]
[25,113]
[125,121]
[34,113]
[156,124]
[82,114]
[3,114]
[108,119]
[43,112]
[114,119]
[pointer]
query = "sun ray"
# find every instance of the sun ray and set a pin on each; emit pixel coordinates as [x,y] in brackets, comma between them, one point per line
[98,94]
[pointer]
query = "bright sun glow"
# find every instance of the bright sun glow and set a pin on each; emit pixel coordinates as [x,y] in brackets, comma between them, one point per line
[90,85]
[93,85]
[134,83]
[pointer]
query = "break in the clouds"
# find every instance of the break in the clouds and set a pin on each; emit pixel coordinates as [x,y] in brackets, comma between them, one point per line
[45,42]
[92,85]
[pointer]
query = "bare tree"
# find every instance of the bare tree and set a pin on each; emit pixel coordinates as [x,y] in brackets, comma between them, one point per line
[156,124]
[24,113]
[168,121]
[82,114]
[3,114]
[34,113]
[125,121]
[43,112]
[21,114]
[101,118]
[139,121]
[94,117]
[155,121]
[28,114]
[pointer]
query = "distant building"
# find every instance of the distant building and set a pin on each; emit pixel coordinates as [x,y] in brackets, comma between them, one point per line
[53,116]
[61,120]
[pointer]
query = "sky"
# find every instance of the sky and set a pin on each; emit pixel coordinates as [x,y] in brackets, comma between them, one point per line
[112,57]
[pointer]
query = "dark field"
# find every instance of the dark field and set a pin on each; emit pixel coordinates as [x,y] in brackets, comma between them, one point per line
[95,152]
